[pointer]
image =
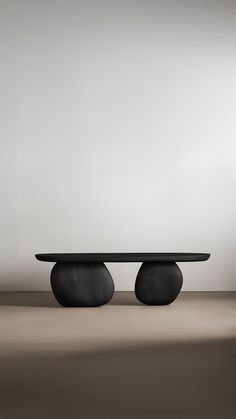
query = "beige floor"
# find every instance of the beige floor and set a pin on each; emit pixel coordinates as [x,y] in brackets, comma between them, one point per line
[122,360]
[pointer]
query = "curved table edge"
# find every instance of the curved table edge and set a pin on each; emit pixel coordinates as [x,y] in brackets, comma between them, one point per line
[120,258]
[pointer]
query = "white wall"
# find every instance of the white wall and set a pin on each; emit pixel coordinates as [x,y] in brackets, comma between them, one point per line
[118,130]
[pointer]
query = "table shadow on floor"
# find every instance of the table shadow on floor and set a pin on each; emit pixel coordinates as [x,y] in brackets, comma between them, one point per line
[47,299]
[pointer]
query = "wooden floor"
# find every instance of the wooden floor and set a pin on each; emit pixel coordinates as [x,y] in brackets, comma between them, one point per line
[123,360]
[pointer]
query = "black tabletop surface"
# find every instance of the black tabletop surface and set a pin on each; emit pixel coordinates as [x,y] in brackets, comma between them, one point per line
[122,257]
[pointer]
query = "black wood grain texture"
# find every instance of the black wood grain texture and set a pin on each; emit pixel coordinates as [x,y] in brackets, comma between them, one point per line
[81,284]
[158,283]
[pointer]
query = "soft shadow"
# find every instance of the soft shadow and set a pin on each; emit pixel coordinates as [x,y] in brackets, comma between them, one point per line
[124,298]
[28,299]
[190,380]
[47,299]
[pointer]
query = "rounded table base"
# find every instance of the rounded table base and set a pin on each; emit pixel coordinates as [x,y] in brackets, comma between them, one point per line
[81,284]
[158,283]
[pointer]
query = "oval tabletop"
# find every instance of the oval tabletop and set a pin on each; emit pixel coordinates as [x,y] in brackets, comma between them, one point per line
[122,257]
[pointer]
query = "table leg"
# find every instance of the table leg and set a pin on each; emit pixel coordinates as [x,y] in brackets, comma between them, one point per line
[158,283]
[81,284]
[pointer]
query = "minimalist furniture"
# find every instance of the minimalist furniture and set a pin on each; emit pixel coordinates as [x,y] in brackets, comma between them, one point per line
[82,279]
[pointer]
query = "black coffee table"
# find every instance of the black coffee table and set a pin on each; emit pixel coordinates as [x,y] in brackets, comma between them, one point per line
[83,280]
